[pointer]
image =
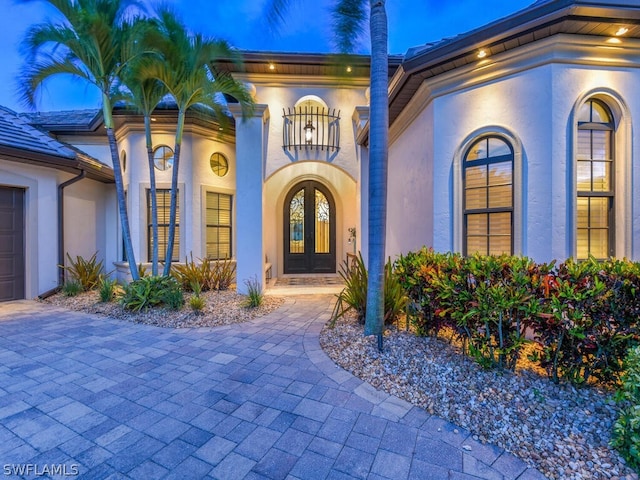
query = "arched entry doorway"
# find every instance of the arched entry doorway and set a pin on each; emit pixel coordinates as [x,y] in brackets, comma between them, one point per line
[309,229]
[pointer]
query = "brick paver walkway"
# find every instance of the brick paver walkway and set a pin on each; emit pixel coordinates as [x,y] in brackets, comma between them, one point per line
[254,400]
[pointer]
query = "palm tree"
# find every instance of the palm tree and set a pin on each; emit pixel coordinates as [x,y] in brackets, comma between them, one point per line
[94,41]
[144,94]
[350,17]
[188,75]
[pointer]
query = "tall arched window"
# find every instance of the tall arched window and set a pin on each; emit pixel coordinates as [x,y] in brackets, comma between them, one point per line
[488,197]
[595,185]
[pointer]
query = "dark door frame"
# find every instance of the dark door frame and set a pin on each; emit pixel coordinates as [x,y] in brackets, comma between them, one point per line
[309,261]
[15,276]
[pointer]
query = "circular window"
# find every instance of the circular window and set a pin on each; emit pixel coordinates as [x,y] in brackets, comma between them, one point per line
[219,164]
[163,157]
[123,161]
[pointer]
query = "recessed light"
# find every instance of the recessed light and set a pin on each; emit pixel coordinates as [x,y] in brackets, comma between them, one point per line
[272,66]
[349,69]
[153,119]
[621,31]
[614,40]
[482,53]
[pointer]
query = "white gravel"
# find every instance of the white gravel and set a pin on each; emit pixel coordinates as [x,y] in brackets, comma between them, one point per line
[561,430]
[221,308]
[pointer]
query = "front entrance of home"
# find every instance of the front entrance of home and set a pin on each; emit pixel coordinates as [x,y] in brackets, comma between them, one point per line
[309,229]
[12,263]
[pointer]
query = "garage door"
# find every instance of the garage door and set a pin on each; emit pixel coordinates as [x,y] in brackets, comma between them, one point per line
[11,244]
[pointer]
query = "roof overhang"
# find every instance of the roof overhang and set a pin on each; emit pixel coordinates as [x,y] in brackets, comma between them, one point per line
[539,21]
[94,169]
[304,64]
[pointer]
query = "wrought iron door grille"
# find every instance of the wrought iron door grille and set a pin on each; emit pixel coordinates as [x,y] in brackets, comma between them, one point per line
[324,126]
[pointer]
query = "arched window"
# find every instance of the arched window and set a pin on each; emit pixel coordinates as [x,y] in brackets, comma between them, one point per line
[488,197]
[595,185]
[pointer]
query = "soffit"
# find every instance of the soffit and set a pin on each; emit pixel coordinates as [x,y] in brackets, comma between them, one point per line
[304,64]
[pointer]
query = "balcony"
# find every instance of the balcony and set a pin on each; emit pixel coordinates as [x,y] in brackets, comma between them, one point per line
[308,128]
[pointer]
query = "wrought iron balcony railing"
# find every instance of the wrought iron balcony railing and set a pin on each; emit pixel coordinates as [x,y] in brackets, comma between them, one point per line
[311,127]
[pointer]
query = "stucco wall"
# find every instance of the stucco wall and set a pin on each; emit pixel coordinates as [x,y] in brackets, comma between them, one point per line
[87,229]
[194,178]
[410,187]
[533,108]
[344,99]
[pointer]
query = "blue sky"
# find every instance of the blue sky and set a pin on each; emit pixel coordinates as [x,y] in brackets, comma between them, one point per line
[241,22]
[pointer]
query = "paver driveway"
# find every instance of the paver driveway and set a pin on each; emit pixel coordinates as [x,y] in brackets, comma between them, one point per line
[253,400]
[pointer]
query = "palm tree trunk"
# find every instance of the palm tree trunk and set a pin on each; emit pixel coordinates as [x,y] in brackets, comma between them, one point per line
[378,146]
[122,204]
[152,194]
[174,193]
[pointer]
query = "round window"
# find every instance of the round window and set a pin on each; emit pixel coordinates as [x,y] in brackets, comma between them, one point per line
[163,157]
[219,164]
[123,161]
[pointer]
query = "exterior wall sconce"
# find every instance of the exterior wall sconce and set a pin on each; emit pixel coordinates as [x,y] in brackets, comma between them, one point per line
[308,132]
[352,238]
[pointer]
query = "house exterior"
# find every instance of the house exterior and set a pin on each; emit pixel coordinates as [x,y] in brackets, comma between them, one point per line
[517,137]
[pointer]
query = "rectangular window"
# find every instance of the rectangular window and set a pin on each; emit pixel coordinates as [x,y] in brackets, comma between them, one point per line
[218,221]
[163,197]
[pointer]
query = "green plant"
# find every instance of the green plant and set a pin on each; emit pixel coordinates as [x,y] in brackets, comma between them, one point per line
[583,315]
[71,289]
[106,289]
[197,303]
[224,273]
[142,271]
[191,273]
[626,430]
[590,320]
[84,272]
[210,274]
[254,293]
[150,292]
[354,294]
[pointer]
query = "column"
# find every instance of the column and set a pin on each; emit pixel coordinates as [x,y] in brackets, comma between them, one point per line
[250,138]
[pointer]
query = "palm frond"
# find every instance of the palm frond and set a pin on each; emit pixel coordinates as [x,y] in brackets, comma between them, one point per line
[350,20]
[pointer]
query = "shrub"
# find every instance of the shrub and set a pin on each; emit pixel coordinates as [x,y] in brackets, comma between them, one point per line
[211,275]
[416,273]
[590,320]
[151,292]
[584,315]
[197,303]
[254,293]
[85,272]
[71,289]
[106,289]
[626,430]
[224,274]
[354,295]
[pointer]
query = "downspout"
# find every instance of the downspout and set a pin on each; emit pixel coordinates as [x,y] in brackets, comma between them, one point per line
[61,188]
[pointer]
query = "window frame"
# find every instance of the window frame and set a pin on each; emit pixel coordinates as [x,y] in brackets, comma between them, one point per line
[207,225]
[226,160]
[592,126]
[155,164]
[465,164]
[162,253]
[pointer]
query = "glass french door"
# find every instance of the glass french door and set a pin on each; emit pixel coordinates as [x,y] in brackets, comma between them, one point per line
[309,229]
